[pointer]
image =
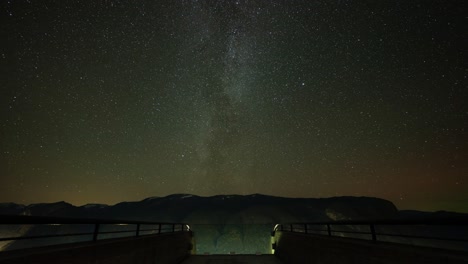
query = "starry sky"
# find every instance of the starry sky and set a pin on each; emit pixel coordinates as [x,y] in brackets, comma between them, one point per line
[109,101]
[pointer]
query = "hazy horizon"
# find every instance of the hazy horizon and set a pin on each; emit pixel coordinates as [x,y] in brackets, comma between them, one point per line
[435,209]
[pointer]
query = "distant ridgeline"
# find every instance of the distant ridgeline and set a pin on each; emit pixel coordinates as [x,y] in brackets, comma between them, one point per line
[222,224]
[220,209]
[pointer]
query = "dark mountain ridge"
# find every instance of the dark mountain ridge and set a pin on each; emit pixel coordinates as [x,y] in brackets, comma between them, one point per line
[219,209]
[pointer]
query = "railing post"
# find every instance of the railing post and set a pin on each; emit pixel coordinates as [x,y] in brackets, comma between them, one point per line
[372,229]
[173,228]
[182,227]
[96,232]
[329,230]
[291,227]
[138,230]
[159,228]
[305,228]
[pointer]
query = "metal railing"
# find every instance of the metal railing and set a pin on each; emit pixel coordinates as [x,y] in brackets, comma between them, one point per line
[97,226]
[452,232]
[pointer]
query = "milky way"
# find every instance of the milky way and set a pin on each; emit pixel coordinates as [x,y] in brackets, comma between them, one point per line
[109,101]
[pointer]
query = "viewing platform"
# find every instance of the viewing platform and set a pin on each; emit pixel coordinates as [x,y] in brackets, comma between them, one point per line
[116,241]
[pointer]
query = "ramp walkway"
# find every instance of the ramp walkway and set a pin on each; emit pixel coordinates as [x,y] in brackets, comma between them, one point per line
[76,241]
[232,259]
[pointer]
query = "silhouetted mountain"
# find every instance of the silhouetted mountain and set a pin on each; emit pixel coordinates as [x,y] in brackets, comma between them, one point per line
[220,209]
[439,215]
[11,209]
[51,209]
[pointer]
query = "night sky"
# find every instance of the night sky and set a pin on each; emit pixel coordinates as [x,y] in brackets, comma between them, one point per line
[109,101]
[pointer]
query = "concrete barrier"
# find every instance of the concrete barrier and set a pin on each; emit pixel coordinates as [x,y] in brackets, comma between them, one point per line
[162,248]
[306,248]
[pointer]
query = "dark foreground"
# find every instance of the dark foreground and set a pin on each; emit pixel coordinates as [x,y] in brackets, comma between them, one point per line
[232,259]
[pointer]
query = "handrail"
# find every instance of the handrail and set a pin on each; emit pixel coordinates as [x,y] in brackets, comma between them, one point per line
[41,220]
[25,219]
[433,221]
[311,228]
